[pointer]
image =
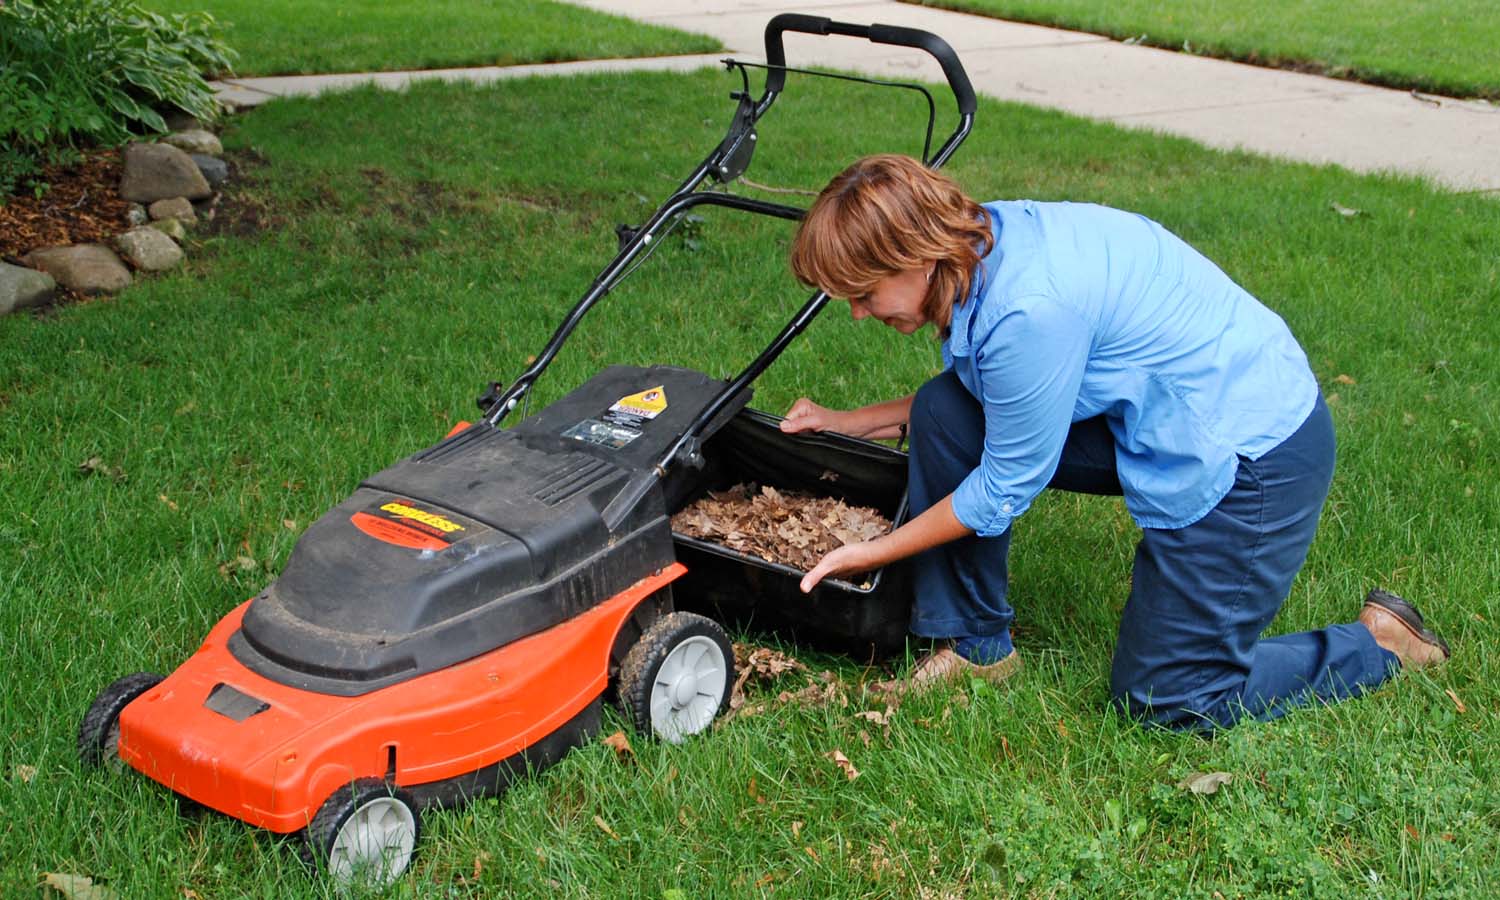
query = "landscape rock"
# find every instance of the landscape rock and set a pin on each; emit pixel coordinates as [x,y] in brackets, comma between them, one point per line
[21,287]
[172,228]
[148,249]
[195,140]
[158,171]
[215,170]
[85,268]
[137,215]
[174,208]
[178,120]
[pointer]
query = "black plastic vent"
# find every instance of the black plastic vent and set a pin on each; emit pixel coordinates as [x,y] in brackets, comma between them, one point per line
[573,478]
[236,704]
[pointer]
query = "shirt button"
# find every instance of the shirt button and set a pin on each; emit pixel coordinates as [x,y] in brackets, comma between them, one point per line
[1005,507]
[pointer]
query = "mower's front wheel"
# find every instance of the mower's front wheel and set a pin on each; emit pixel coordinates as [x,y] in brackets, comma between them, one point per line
[99,733]
[677,677]
[365,833]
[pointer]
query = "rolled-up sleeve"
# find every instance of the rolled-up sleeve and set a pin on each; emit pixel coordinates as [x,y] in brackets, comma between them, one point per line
[1026,371]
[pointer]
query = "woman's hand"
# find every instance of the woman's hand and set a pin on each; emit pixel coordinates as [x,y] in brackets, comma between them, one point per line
[846,560]
[806,415]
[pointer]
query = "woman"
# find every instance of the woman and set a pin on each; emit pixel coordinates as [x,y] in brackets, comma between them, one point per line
[1092,350]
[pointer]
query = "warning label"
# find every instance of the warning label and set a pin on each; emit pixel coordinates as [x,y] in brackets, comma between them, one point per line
[637,409]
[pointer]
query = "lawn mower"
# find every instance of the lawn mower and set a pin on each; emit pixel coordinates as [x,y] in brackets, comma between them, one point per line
[457,620]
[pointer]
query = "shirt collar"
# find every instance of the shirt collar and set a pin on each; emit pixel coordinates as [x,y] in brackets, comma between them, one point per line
[961,320]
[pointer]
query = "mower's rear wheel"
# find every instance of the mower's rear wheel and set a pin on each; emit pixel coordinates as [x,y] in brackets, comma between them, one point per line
[99,733]
[365,833]
[677,677]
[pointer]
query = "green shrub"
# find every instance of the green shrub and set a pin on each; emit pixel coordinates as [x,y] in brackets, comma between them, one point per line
[96,72]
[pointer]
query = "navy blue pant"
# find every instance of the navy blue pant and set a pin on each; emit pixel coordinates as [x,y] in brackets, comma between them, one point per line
[1190,653]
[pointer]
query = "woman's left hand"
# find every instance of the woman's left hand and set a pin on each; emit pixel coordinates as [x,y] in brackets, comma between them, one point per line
[846,560]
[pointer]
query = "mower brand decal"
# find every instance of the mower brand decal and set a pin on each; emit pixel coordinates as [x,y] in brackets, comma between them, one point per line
[404,524]
[635,411]
[605,434]
[421,515]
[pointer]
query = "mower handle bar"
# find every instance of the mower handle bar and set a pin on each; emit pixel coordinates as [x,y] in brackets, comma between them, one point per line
[498,404]
[895,35]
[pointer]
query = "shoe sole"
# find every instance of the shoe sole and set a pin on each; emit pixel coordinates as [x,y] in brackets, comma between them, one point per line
[1405,613]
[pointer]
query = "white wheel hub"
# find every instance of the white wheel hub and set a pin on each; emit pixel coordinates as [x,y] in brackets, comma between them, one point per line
[688,688]
[375,843]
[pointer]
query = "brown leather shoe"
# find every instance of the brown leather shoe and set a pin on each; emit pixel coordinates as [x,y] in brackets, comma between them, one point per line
[1398,627]
[944,666]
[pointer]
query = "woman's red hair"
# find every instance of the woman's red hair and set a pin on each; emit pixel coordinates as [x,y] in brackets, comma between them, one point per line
[887,214]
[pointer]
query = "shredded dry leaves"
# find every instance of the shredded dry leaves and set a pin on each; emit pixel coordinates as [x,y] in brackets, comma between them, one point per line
[785,527]
[1456,702]
[81,205]
[95,465]
[1205,782]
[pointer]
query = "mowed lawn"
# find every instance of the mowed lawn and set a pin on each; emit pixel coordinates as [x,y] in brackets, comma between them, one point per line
[380,257]
[1442,46]
[290,37]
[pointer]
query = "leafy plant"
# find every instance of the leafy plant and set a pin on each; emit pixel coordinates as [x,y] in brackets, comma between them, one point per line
[81,72]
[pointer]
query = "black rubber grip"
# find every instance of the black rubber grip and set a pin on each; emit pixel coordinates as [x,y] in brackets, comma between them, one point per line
[935,46]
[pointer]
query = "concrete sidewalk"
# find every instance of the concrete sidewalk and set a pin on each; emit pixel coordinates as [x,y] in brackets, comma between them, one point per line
[1221,104]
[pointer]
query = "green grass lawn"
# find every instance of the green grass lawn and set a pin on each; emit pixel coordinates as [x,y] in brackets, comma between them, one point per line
[416,245]
[288,37]
[1443,46]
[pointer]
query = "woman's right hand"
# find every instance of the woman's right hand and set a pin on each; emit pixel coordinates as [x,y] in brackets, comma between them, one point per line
[806,415]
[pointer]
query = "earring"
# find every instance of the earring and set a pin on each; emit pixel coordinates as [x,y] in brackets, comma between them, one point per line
[930,272]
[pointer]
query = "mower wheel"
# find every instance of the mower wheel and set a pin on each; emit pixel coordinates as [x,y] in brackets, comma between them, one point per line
[99,734]
[365,833]
[677,677]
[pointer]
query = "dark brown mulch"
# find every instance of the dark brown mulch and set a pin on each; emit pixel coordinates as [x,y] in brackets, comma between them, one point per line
[80,206]
[786,527]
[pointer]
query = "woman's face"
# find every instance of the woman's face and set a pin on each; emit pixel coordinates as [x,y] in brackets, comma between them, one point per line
[895,300]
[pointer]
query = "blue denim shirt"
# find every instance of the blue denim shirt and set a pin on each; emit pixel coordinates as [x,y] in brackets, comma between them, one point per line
[1082,310]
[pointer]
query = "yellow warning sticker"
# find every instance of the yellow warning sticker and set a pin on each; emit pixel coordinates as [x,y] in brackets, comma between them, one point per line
[647,404]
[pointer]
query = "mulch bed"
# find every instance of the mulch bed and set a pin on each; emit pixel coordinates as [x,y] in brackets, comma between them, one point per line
[81,206]
[786,527]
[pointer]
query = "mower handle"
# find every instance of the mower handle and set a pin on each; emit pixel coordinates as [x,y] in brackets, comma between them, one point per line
[895,35]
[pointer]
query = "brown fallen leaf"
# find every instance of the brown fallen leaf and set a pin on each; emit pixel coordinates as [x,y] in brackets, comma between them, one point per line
[78,887]
[842,761]
[171,504]
[604,827]
[1456,702]
[289,524]
[24,773]
[1205,782]
[813,853]
[1344,379]
[621,745]
[796,829]
[1415,834]
[755,793]
[480,859]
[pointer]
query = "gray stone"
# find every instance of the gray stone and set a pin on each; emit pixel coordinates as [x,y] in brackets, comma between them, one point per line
[137,215]
[85,268]
[178,120]
[214,170]
[148,249]
[195,140]
[157,171]
[174,208]
[20,288]
[172,228]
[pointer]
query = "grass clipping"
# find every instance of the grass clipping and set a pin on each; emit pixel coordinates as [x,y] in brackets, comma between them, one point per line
[786,527]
